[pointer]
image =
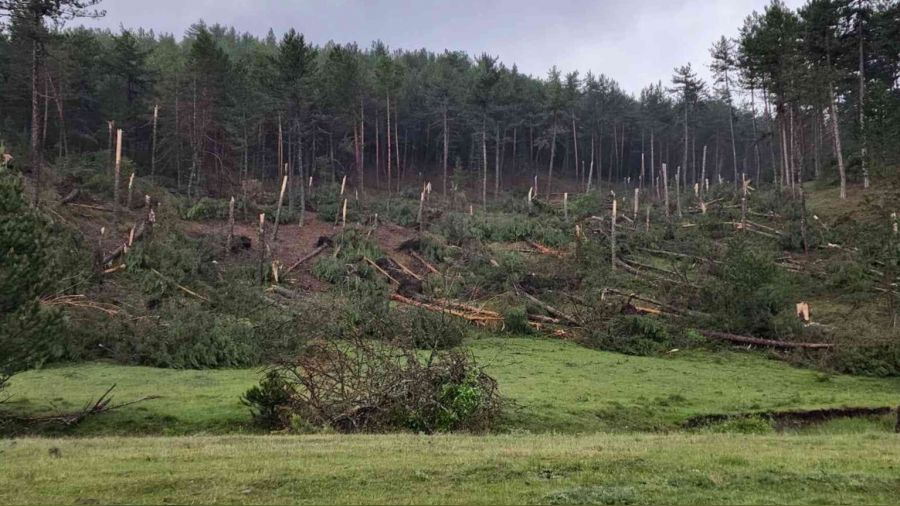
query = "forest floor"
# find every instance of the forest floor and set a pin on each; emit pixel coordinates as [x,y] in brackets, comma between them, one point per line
[550,386]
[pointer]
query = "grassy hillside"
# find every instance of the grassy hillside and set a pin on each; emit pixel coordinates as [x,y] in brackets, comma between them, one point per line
[552,386]
[556,469]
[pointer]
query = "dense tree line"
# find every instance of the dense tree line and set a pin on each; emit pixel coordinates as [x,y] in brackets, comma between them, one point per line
[798,95]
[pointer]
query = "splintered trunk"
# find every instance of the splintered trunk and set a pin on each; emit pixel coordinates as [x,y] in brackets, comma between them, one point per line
[703,168]
[117,170]
[153,145]
[284,182]
[261,243]
[590,175]
[836,133]
[637,199]
[446,149]
[665,181]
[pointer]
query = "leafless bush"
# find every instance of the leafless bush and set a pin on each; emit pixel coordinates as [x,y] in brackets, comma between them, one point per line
[362,385]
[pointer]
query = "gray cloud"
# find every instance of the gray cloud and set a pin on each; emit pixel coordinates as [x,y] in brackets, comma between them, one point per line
[636,42]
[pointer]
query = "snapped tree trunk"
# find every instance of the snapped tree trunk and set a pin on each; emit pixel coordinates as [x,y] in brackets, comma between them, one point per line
[117,170]
[153,145]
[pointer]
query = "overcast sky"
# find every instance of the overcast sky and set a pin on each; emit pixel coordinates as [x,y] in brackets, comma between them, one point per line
[635,42]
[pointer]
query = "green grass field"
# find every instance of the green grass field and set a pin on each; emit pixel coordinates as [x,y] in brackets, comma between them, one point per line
[551,386]
[404,469]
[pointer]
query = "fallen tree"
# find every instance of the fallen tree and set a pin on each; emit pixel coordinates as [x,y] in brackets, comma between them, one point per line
[724,336]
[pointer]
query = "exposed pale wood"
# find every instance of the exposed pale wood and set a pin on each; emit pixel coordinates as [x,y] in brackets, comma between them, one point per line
[117,170]
[405,269]
[116,253]
[308,256]
[476,318]
[180,287]
[424,262]
[380,270]
[284,182]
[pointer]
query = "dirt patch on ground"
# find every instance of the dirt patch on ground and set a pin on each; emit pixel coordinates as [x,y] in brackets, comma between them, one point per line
[295,242]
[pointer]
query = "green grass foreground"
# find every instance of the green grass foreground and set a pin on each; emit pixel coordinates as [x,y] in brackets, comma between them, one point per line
[552,386]
[410,469]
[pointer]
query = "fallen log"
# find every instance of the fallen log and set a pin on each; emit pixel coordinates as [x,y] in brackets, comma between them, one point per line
[116,253]
[550,309]
[643,298]
[380,270]
[310,255]
[72,195]
[544,249]
[180,287]
[724,336]
[89,206]
[677,255]
[405,269]
[478,319]
[424,262]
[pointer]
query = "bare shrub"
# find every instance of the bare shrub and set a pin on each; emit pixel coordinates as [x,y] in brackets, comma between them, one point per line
[371,386]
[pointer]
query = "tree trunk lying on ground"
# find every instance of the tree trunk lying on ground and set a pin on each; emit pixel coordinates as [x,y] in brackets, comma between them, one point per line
[116,253]
[763,342]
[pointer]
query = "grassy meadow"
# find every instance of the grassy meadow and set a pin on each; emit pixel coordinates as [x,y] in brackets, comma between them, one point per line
[550,386]
[455,469]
